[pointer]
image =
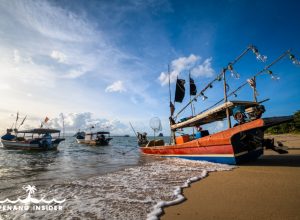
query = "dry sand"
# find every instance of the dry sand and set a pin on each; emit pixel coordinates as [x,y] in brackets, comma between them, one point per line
[268,188]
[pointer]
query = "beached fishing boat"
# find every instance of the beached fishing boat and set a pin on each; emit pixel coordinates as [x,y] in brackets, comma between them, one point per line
[40,139]
[100,138]
[237,144]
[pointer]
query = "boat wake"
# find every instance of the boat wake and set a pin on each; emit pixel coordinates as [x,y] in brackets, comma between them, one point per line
[134,193]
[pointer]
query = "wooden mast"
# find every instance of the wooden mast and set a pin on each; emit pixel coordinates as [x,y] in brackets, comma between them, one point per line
[254,90]
[172,138]
[192,106]
[225,97]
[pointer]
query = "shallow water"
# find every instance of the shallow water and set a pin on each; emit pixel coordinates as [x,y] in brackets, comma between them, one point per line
[111,182]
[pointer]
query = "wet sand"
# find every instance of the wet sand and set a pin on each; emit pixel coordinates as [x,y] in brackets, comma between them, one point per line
[268,188]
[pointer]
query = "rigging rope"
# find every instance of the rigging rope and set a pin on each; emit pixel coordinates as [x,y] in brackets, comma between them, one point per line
[219,76]
[255,75]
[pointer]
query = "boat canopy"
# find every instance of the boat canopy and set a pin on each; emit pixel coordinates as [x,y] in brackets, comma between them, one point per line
[40,131]
[99,132]
[215,114]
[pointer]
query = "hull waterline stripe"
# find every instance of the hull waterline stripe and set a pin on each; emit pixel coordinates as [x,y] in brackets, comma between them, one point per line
[193,155]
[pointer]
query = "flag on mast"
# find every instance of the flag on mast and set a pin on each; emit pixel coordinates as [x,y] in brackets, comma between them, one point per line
[180,90]
[46,119]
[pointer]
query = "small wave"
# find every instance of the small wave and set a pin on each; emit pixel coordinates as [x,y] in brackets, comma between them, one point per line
[134,193]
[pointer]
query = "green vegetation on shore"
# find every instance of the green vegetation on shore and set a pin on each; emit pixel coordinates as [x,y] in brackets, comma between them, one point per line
[289,127]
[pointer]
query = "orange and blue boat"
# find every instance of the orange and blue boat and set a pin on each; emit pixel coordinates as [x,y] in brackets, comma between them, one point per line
[235,145]
[241,143]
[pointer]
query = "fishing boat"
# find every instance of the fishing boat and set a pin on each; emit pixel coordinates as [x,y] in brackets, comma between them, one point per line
[40,139]
[80,136]
[100,138]
[237,144]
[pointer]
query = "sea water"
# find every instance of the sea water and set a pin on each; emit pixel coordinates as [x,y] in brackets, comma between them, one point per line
[88,182]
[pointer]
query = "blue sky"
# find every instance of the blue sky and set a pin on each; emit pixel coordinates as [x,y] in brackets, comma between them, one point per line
[104,62]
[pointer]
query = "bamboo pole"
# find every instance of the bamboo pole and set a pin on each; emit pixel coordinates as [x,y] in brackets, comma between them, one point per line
[254,90]
[225,97]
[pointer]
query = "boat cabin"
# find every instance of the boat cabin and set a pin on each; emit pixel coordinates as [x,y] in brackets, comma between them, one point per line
[37,133]
[101,138]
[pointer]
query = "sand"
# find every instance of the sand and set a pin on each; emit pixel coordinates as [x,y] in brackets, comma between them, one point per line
[268,188]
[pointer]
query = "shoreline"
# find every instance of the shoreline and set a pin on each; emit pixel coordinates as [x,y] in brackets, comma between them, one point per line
[264,189]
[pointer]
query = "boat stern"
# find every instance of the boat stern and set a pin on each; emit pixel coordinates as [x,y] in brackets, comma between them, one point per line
[248,145]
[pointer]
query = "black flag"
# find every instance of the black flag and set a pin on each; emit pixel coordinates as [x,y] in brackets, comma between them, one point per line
[180,90]
[193,89]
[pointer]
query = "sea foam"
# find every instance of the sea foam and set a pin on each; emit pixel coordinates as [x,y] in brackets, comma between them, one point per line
[134,193]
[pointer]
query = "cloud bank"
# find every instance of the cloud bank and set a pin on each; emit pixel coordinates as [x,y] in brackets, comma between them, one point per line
[84,121]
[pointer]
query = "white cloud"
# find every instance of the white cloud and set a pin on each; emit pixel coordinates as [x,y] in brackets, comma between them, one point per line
[117,86]
[5,87]
[16,56]
[84,121]
[51,21]
[204,69]
[36,34]
[75,73]
[177,66]
[59,56]
[184,64]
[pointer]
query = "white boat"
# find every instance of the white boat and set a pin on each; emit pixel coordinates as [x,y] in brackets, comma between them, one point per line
[100,138]
[41,139]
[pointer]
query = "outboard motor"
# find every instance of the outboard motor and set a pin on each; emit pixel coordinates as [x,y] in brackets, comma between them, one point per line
[238,113]
[255,112]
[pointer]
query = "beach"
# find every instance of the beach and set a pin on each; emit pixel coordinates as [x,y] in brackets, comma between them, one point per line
[268,188]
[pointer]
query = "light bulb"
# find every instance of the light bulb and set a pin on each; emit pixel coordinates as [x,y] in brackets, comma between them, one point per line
[234,74]
[261,58]
[274,77]
[296,62]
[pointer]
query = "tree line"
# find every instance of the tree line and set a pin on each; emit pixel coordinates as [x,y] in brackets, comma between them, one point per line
[288,127]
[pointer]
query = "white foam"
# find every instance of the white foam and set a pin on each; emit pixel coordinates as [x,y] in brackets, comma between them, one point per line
[134,193]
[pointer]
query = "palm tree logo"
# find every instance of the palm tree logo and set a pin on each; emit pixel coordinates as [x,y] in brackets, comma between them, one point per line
[30,189]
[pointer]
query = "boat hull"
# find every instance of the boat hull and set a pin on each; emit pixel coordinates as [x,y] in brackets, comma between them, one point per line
[236,145]
[23,145]
[93,142]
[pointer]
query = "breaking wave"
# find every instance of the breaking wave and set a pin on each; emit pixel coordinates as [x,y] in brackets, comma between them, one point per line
[134,193]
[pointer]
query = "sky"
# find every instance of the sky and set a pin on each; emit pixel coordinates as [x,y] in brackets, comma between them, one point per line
[105,63]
